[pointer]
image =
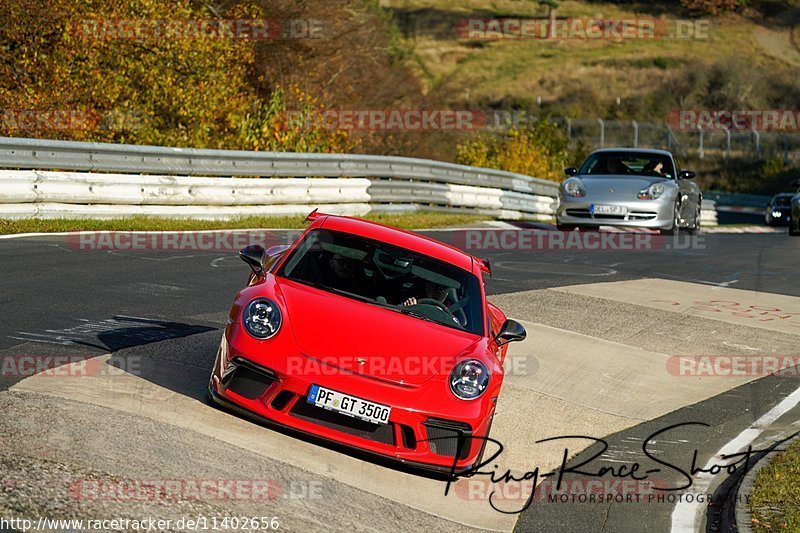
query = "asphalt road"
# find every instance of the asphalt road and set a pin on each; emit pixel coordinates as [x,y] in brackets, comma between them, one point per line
[49,285]
[59,300]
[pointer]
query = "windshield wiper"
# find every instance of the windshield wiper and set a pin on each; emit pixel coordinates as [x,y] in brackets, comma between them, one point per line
[341,292]
[417,315]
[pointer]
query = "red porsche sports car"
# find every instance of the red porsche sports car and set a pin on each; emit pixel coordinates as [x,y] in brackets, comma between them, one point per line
[372,337]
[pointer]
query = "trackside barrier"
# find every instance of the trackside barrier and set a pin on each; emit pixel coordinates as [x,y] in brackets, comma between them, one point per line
[55,179]
[66,179]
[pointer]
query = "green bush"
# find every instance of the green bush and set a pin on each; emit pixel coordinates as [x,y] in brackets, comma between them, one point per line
[540,150]
[191,90]
[713,7]
[273,126]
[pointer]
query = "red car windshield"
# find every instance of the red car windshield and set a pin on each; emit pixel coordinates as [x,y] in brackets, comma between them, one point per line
[381,274]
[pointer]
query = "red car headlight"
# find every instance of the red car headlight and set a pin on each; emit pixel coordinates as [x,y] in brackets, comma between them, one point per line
[469,379]
[262,318]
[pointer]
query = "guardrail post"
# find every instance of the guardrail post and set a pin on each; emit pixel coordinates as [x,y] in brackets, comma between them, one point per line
[569,129]
[635,134]
[602,132]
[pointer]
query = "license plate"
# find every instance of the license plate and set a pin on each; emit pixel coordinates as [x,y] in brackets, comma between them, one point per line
[349,405]
[608,210]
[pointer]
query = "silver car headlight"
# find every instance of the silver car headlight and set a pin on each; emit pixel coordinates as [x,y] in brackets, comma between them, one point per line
[574,187]
[262,318]
[652,192]
[469,379]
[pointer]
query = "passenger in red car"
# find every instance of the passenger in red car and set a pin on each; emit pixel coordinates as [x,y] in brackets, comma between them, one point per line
[343,274]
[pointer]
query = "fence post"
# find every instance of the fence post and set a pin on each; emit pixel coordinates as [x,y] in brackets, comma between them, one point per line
[727,143]
[602,132]
[757,137]
[569,129]
[702,147]
[635,134]
[785,148]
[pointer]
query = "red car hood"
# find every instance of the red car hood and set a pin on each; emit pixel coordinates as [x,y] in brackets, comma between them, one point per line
[358,337]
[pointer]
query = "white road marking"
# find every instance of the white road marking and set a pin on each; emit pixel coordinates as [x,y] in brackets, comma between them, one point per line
[685,514]
[156,287]
[143,232]
[742,346]
[215,263]
[159,259]
[528,267]
[88,329]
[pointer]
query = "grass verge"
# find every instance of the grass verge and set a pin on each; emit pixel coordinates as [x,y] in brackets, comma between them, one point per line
[775,502]
[422,220]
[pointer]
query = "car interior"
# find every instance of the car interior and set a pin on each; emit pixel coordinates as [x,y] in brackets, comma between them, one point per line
[378,273]
[638,165]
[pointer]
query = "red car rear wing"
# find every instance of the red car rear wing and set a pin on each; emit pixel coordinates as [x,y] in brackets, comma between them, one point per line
[314,215]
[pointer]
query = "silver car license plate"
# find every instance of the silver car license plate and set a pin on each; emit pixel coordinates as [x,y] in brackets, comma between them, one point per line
[599,209]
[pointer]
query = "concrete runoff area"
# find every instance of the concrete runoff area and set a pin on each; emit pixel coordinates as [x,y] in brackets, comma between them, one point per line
[774,312]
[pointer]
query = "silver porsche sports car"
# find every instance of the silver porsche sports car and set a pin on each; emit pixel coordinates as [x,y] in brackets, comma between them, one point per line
[630,187]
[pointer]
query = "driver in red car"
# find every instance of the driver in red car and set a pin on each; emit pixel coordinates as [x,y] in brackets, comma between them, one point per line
[437,292]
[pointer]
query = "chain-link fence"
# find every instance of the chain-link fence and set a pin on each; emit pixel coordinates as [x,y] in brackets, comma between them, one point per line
[758,145]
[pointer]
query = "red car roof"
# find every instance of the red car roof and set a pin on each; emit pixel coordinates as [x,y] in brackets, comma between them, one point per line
[398,237]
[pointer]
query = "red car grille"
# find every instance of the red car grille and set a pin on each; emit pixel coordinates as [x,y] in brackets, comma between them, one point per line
[448,438]
[584,213]
[383,433]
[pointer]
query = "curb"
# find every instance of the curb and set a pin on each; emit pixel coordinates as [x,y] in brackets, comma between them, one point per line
[742,510]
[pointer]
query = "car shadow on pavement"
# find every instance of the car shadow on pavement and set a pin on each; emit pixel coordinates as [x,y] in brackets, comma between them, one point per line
[74,345]
[134,331]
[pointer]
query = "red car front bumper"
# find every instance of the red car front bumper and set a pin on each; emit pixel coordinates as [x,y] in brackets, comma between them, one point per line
[428,426]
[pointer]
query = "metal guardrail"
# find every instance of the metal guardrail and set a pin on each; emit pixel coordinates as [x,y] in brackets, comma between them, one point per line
[102,157]
[64,179]
[97,180]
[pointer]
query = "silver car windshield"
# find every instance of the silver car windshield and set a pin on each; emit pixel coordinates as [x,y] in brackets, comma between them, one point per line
[628,163]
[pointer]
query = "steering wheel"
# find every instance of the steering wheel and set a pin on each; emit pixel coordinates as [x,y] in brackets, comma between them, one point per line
[437,303]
